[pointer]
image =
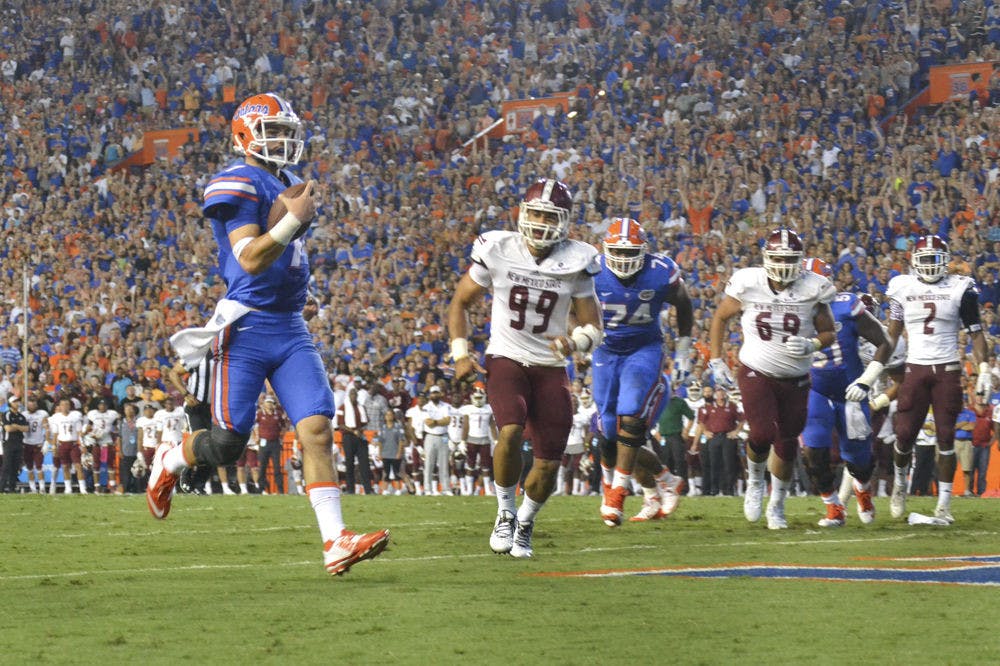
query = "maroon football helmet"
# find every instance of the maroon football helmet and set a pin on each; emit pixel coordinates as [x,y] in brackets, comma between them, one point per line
[783,252]
[551,198]
[930,258]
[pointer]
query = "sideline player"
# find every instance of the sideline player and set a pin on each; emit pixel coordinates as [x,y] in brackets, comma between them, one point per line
[479,431]
[538,276]
[258,332]
[34,440]
[66,429]
[785,318]
[102,425]
[838,401]
[933,304]
[628,381]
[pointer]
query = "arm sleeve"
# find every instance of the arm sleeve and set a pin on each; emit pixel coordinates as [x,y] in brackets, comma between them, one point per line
[895,310]
[968,311]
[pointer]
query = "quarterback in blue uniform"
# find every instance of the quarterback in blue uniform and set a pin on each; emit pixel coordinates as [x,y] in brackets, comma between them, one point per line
[629,386]
[838,402]
[257,332]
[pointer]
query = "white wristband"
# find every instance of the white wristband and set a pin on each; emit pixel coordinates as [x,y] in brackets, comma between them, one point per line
[586,337]
[459,349]
[871,373]
[285,229]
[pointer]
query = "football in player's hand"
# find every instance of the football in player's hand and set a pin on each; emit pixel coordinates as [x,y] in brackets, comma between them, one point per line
[278,210]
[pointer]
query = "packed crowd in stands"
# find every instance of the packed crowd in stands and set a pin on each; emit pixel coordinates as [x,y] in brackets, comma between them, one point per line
[710,122]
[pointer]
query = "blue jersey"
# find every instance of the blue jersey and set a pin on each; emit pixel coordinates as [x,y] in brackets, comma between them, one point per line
[240,195]
[631,310]
[839,364]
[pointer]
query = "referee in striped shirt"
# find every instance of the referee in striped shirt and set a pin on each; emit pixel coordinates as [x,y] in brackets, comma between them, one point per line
[195,384]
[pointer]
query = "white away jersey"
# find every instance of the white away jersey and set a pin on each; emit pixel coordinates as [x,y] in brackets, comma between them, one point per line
[171,424]
[37,427]
[454,424]
[479,422]
[770,318]
[102,424]
[66,427]
[149,427]
[581,421]
[930,315]
[530,300]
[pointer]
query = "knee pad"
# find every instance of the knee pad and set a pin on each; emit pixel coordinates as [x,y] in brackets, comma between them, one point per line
[219,447]
[818,467]
[863,473]
[631,431]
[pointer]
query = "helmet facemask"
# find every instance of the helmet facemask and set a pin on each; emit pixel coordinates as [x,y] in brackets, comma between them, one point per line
[550,223]
[275,139]
[782,266]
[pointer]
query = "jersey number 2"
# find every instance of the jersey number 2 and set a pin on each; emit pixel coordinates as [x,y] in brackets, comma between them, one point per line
[518,304]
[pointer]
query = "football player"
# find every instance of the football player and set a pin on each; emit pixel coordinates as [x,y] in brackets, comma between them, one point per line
[932,305]
[66,429]
[258,332]
[537,276]
[568,479]
[34,440]
[629,386]
[101,425]
[838,401]
[785,318]
[479,433]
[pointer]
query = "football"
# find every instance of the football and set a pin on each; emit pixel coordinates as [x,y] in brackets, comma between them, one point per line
[278,210]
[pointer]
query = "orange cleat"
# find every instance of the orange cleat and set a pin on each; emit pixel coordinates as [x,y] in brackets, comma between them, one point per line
[836,516]
[160,488]
[340,554]
[866,508]
[613,507]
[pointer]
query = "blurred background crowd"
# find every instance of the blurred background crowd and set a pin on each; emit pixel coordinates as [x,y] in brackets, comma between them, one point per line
[710,122]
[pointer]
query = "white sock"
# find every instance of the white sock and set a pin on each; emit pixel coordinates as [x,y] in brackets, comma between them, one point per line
[506,498]
[31,485]
[863,487]
[173,460]
[325,502]
[697,484]
[832,498]
[755,471]
[650,493]
[881,487]
[779,490]
[69,487]
[620,479]
[83,487]
[899,475]
[529,509]
[243,488]
[944,495]
[607,474]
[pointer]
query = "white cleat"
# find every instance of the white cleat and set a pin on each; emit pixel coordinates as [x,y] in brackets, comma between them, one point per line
[652,509]
[776,516]
[670,495]
[502,538]
[897,501]
[944,514]
[522,540]
[753,501]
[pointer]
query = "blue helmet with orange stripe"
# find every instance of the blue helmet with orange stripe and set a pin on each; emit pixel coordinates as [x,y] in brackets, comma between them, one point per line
[266,128]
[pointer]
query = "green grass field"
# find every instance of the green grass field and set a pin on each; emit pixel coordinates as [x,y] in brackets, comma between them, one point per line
[239,580]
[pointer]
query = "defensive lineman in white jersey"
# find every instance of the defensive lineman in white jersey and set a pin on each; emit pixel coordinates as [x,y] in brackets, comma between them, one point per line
[537,275]
[933,305]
